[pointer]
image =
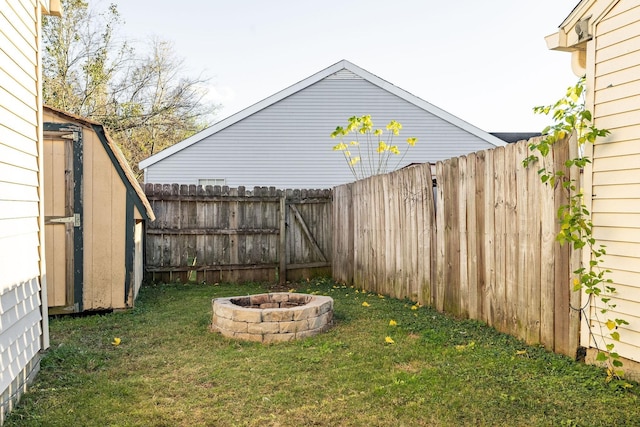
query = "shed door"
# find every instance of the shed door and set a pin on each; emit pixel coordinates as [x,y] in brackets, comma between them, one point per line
[63,217]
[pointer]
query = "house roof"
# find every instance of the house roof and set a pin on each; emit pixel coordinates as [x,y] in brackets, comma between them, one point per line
[511,137]
[341,65]
[595,8]
[114,152]
[580,5]
[587,12]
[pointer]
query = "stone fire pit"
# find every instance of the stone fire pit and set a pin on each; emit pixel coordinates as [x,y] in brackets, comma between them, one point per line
[273,317]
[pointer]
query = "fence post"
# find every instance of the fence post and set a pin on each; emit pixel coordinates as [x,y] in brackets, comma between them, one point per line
[282,249]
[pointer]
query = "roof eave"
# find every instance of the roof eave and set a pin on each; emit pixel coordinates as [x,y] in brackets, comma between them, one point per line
[579,26]
[343,64]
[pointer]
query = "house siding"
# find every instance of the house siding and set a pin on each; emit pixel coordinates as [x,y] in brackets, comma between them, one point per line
[287,144]
[21,331]
[615,172]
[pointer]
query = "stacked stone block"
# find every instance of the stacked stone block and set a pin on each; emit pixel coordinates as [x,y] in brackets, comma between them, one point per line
[273,317]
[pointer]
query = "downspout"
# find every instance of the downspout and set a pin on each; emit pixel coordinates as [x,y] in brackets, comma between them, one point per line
[44,305]
[55,9]
[579,62]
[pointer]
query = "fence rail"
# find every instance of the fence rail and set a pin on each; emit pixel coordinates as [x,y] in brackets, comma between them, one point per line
[483,247]
[218,233]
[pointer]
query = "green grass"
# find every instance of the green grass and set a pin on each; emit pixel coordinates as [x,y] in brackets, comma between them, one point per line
[169,370]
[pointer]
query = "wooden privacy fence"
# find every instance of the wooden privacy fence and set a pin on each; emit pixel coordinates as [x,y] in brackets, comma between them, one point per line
[483,246]
[218,233]
[383,233]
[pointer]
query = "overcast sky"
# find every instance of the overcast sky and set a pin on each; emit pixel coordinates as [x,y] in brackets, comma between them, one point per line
[485,62]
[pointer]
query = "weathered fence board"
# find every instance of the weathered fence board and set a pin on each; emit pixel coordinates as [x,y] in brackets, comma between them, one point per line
[483,246]
[473,306]
[489,241]
[511,233]
[343,226]
[547,268]
[500,239]
[522,197]
[219,233]
[532,256]
[440,258]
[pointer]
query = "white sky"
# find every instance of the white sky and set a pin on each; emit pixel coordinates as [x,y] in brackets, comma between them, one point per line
[485,62]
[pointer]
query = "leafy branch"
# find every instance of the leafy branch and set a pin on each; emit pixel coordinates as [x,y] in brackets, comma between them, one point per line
[570,116]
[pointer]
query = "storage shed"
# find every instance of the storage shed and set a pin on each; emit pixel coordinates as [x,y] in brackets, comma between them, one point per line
[95,212]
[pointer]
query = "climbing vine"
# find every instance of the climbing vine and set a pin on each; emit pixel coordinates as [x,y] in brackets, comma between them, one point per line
[570,116]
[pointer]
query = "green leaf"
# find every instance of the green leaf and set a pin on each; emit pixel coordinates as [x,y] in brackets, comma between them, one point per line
[544,149]
[610,324]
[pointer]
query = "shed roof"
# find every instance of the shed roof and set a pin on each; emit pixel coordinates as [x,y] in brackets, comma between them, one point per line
[117,158]
[338,66]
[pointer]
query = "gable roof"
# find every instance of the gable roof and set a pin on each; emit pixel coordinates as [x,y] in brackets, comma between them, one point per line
[117,158]
[338,66]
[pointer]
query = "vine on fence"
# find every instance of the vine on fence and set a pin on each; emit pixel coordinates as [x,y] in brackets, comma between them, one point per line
[571,116]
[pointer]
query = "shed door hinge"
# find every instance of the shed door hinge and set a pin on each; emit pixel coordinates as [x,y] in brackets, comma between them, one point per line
[75,219]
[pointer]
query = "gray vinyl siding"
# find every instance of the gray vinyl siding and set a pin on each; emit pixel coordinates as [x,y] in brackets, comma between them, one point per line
[20,310]
[288,144]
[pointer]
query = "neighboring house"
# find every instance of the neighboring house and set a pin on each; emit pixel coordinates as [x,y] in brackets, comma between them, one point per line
[512,137]
[603,37]
[284,140]
[23,313]
[94,218]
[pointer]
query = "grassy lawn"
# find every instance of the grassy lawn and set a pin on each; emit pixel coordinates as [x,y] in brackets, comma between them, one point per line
[169,370]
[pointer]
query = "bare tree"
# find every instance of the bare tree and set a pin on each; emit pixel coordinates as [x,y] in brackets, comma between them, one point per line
[146,101]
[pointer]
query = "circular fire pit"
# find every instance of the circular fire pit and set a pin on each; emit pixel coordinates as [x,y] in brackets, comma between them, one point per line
[273,317]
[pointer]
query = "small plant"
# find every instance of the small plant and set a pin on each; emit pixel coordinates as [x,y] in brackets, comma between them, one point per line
[571,116]
[370,150]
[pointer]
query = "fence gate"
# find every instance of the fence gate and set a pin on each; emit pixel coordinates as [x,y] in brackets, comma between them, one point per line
[216,234]
[306,225]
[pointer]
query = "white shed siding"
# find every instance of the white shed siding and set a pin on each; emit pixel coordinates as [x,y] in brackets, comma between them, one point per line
[20,270]
[616,164]
[287,144]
